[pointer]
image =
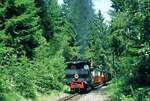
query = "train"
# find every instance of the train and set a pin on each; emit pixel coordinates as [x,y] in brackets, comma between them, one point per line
[82,77]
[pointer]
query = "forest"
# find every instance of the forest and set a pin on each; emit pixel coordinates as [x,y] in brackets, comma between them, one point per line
[37,37]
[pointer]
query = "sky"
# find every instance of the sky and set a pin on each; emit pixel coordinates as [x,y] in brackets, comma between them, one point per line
[103,5]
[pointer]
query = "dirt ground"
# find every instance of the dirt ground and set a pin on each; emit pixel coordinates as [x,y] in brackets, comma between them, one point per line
[98,94]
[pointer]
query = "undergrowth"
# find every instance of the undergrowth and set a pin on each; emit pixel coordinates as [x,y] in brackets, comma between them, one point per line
[119,90]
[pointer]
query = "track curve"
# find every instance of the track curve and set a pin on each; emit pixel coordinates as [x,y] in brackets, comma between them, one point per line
[69,98]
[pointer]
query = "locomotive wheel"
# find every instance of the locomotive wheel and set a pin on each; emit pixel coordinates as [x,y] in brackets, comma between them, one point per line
[88,89]
[72,91]
[92,87]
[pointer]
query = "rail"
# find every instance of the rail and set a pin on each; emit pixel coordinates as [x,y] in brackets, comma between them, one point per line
[67,98]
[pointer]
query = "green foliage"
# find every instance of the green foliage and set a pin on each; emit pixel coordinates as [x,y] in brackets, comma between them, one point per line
[17,77]
[35,41]
[130,43]
[50,74]
[19,33]
[20,26]
[99,44]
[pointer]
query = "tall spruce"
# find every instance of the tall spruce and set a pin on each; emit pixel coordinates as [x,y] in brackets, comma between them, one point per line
[97,38]
[19,27]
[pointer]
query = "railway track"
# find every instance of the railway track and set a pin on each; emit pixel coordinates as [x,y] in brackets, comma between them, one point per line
[73,97]
[69,98]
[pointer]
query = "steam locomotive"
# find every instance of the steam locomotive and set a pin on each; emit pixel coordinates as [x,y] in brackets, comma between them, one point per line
[81,76]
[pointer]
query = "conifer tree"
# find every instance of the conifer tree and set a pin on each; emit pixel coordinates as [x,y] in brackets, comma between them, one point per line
[19,24]
[129,31]
[99,50]
[20,35]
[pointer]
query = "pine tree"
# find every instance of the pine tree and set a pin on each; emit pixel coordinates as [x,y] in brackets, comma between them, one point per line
[99,45]
[19,23]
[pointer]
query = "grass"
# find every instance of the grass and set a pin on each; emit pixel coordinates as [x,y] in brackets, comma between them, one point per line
[13,96]
[53,94]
